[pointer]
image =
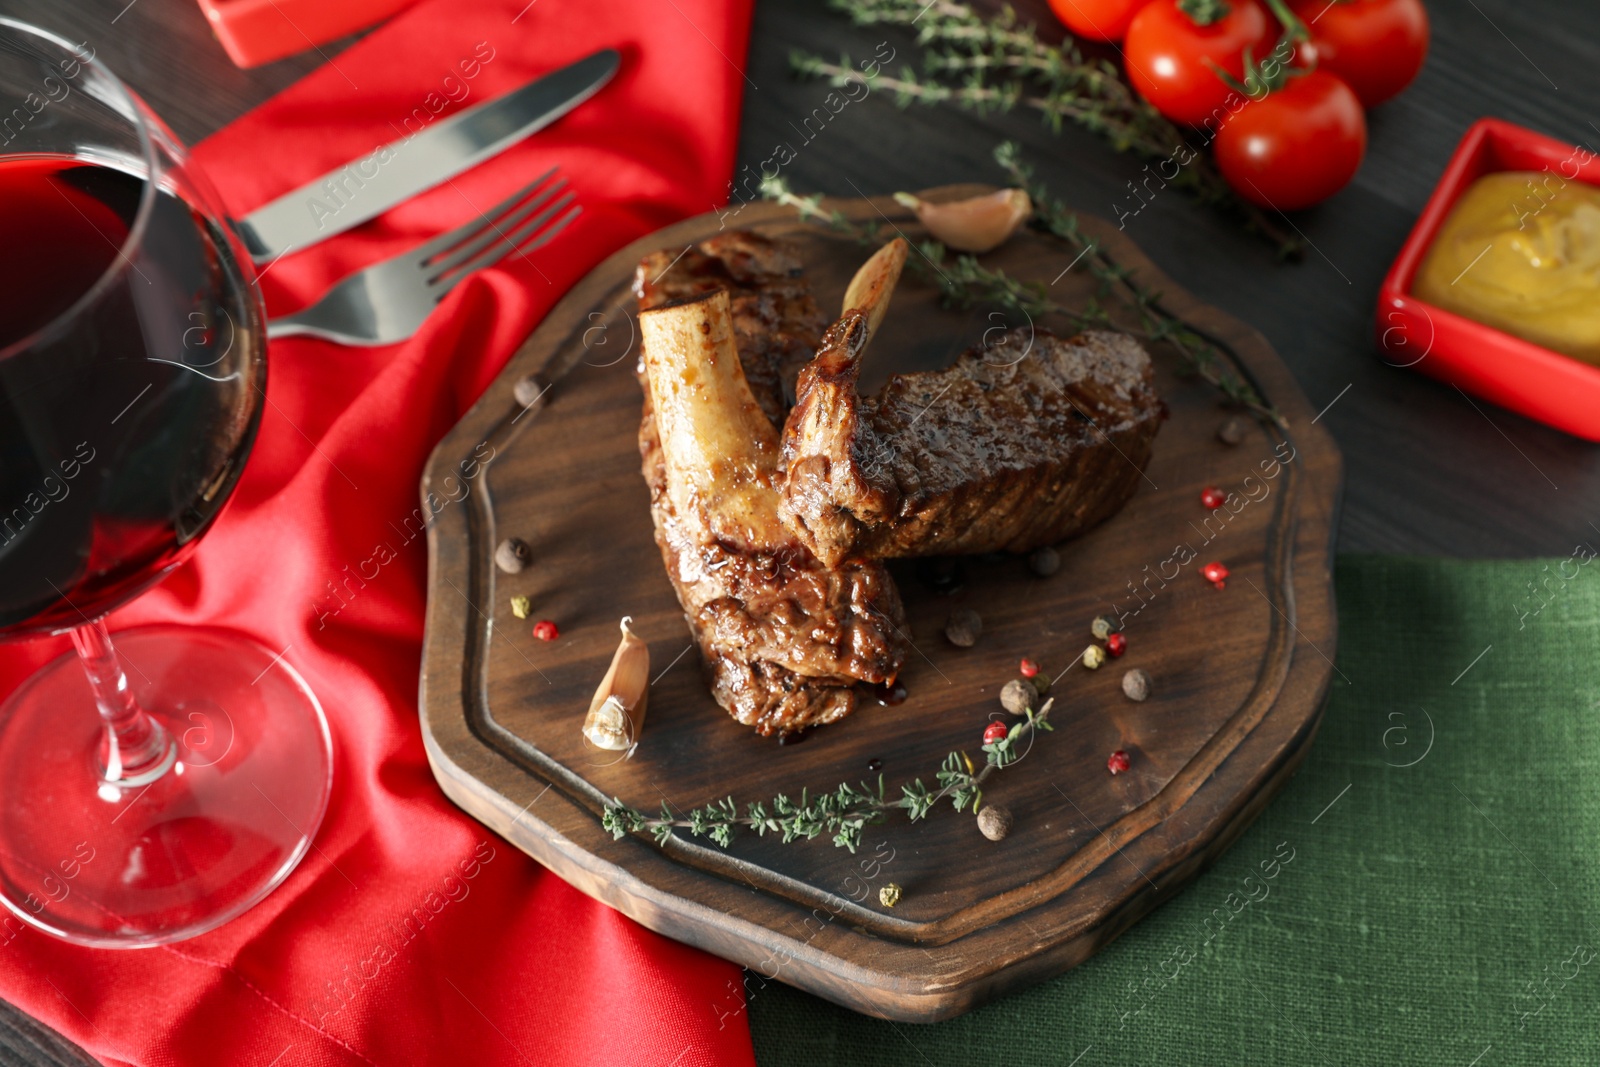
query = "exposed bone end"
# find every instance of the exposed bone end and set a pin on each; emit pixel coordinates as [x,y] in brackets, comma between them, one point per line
[720,450]
[874,283]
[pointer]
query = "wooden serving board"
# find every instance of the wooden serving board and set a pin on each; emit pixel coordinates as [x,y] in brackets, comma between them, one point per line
[1240,674]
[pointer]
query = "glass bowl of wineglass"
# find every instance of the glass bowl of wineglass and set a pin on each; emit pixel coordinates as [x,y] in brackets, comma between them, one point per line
[151,791]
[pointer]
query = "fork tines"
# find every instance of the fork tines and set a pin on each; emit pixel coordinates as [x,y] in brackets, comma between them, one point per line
[510,226]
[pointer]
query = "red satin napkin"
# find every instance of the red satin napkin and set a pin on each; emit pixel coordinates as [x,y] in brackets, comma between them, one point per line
[510,965]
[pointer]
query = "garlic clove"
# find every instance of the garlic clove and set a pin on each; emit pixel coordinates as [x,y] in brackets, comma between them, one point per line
[616,714]
[979,224]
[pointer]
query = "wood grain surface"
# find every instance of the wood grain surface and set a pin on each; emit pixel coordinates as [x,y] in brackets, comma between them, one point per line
[1240,673]
[1426,472]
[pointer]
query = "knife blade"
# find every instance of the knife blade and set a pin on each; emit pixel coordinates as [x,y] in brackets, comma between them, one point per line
[369,186]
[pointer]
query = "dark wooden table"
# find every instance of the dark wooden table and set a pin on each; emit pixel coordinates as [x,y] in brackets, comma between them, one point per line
[1428,471]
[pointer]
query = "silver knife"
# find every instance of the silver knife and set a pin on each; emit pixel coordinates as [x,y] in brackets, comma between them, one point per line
[399,170]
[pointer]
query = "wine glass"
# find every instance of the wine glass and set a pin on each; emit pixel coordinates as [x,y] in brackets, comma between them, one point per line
[156,790]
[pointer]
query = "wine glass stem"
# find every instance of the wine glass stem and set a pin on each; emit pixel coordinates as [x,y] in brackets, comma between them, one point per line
[137,749]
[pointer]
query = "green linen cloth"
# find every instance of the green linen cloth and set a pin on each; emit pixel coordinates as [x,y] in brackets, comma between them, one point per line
[1442,912]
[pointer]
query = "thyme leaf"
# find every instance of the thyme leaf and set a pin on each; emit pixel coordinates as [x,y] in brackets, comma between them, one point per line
[999,64]
[844,812]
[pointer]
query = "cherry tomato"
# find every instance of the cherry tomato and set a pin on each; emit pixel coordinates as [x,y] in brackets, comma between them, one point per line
[1375,46]
[1296,146]
[1097,20]
[1167,56]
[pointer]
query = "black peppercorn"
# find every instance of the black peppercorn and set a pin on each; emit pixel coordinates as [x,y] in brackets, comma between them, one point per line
[1044,561]
[512,555]
[963,628]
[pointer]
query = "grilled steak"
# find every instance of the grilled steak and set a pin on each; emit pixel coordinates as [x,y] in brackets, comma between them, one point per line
[784,638]
[1021,443]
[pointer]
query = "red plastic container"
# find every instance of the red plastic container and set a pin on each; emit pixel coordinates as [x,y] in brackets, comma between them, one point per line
[1516,374]
[254,32]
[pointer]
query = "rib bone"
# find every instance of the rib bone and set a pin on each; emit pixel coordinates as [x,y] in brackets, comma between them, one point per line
[785,638]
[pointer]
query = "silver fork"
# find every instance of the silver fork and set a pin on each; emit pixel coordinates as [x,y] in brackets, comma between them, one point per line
[389,301]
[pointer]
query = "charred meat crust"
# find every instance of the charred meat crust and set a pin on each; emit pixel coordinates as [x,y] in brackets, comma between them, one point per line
[1021,443]
[784,639]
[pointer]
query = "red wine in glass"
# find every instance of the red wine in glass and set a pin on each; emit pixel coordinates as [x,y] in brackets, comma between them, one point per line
[116,455]
[161,787]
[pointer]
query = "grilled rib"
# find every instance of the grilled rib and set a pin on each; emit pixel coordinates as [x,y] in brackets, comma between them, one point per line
[785,639]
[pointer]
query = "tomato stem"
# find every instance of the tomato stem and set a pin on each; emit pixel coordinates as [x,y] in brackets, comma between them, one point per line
[1267,75]
[1205,12]
[1293,28]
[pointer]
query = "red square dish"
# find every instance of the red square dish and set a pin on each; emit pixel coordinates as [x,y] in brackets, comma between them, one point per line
[254,32]
[1516,374]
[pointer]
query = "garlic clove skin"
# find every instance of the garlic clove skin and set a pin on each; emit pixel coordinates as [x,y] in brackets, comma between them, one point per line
[979,224]
[616,714]
[609,726]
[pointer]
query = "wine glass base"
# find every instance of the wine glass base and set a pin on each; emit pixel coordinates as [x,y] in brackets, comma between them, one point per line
[110,865]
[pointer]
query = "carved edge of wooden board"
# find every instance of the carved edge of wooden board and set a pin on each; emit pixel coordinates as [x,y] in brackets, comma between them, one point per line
[964,966]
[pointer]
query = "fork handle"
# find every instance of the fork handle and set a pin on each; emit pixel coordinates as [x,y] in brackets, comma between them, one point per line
[288,326]
[300,324]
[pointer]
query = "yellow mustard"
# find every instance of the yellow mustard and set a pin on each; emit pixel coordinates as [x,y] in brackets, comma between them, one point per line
[1520,251]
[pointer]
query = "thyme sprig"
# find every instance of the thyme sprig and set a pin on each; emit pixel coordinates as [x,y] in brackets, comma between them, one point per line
[843,812]
[964,282]
[1000,64]
[975,95]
